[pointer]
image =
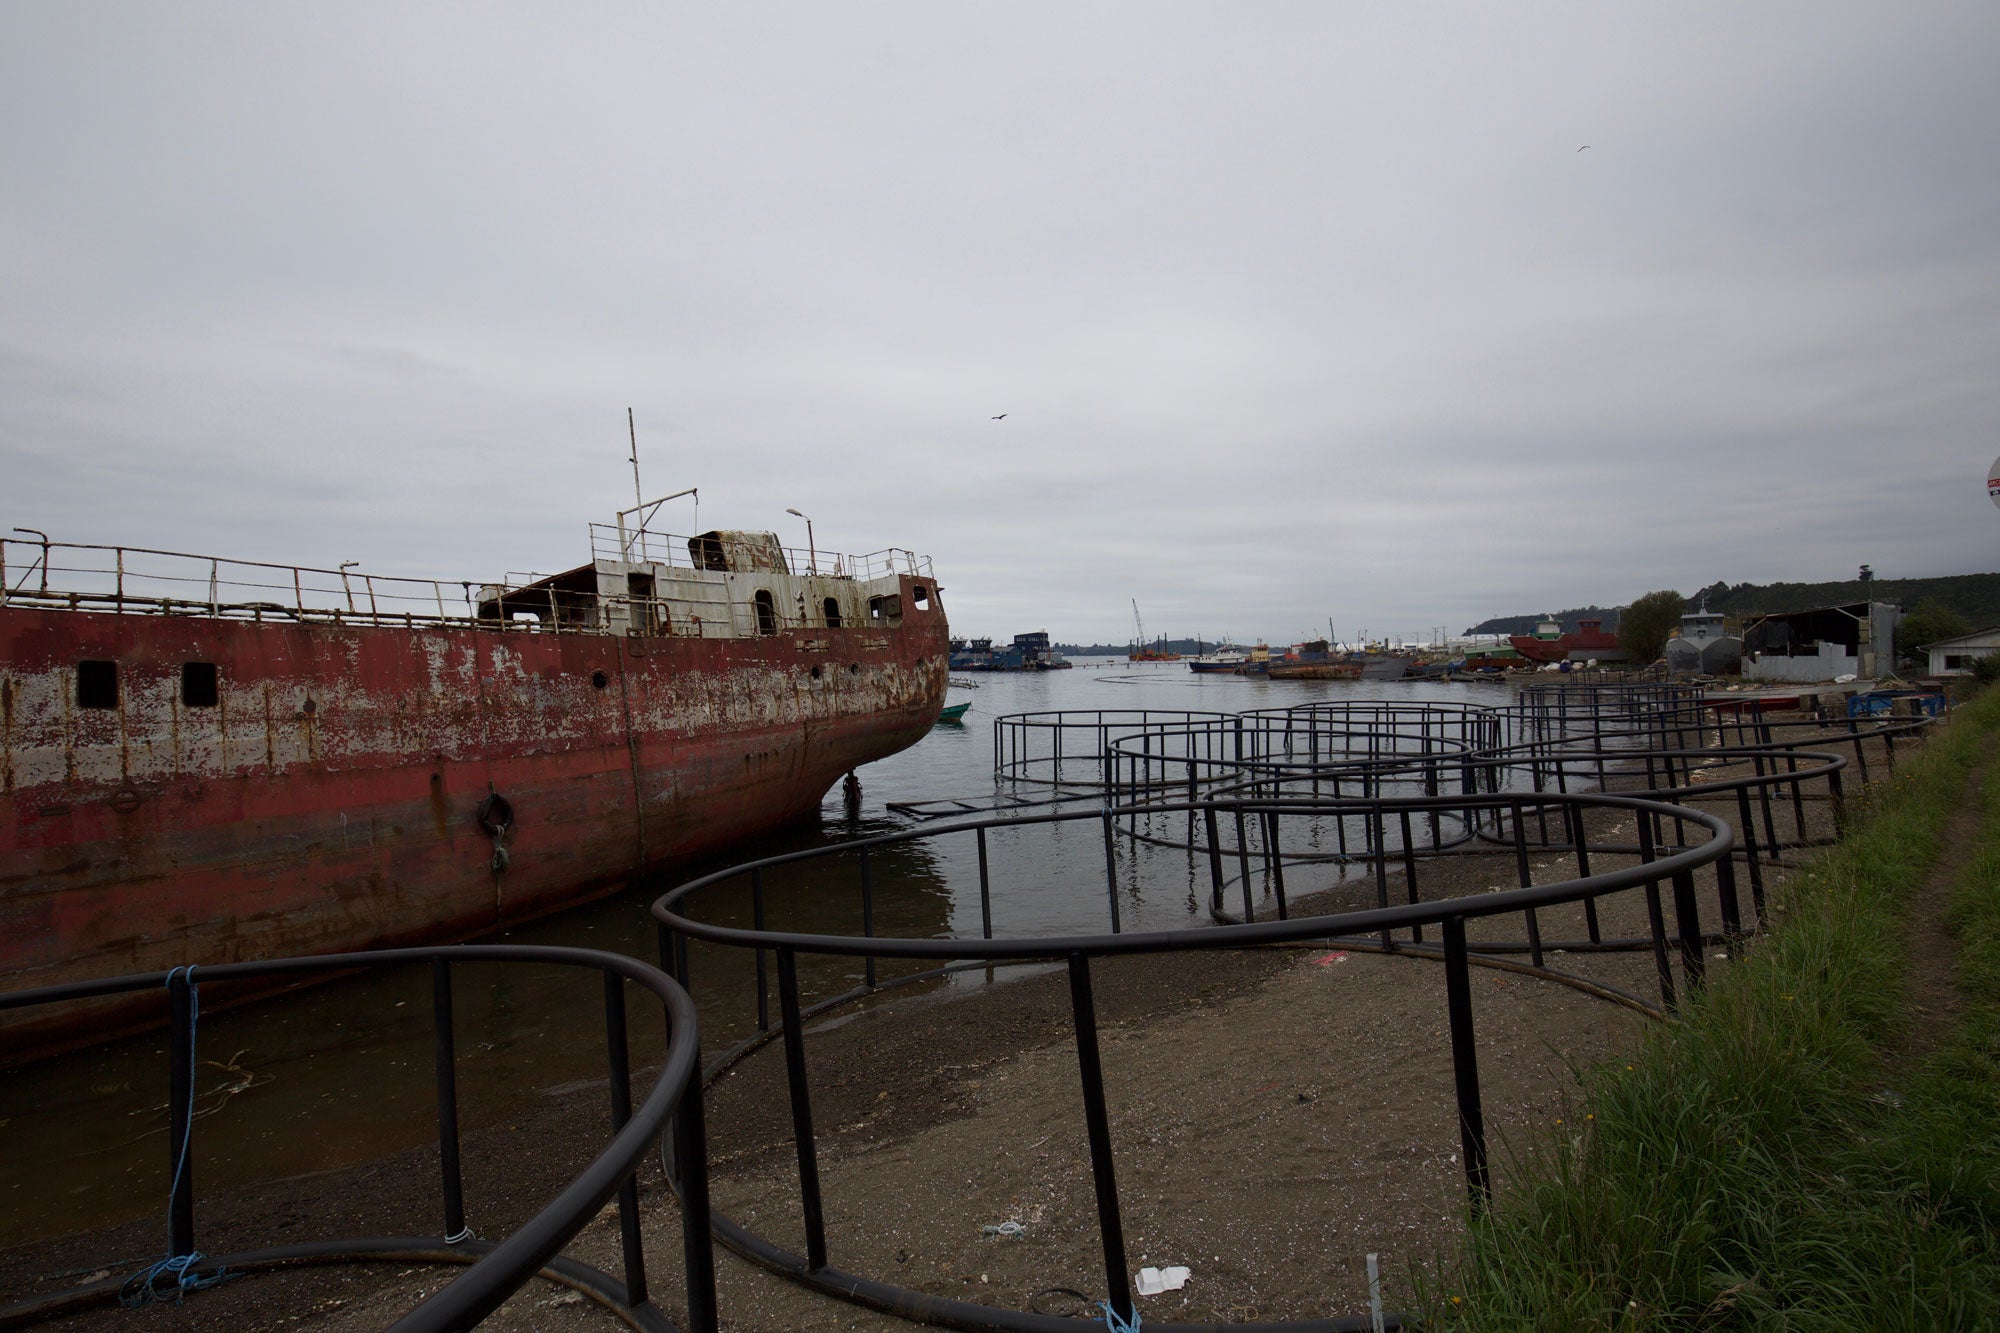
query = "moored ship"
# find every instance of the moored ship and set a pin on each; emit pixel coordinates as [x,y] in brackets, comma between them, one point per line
[1316,659]
[1028,652]
[1222,662]
[207,761]
[1704,645]
[1588,641]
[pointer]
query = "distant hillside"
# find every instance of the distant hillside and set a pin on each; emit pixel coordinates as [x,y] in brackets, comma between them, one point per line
[1186,647]
[1974,596]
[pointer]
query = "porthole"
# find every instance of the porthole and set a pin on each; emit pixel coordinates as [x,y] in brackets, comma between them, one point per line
[96,684]
[816,671]
[308,708]
[598,680]
[198,685]
[854,668]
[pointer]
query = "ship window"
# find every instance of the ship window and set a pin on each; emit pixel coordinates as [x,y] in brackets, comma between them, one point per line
[198,685]
[707,553]
[921,595]
[767,612]
[888,609]
[832,607]
[96,684]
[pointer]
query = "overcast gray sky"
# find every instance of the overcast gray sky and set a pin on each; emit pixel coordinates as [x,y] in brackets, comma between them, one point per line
[1296,311]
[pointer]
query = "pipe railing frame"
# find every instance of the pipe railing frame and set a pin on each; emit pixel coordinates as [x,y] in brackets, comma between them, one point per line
[1665,865]
[496,1269]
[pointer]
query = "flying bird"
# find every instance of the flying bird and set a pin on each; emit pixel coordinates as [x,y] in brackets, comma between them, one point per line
[1001,417]
[1581,149]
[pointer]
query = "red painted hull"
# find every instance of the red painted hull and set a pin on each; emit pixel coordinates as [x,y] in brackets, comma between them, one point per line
[328,801]
[1557,650]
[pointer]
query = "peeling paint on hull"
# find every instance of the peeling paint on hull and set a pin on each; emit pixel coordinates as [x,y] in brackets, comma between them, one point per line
[328,799]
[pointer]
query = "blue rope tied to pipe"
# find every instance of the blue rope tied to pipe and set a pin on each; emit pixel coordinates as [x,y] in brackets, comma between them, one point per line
[145,1287]
[1113,1323]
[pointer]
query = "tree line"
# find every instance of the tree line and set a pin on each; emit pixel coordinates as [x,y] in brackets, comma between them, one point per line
[1972,600]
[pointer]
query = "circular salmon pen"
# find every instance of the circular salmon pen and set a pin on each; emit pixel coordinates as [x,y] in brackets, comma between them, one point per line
[1572,861]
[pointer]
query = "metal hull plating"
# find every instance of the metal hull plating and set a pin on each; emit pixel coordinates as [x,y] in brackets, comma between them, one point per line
[329,799]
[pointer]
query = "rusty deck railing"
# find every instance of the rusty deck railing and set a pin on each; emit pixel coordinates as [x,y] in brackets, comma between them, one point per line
[146,580]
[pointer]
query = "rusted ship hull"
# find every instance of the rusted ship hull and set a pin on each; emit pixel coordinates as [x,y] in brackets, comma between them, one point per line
[330,796]
[1314,671]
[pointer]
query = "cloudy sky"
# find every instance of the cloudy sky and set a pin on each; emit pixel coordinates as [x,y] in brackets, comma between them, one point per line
[1296,311]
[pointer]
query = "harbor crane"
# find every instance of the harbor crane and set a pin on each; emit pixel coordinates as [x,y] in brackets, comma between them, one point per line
[1142,651]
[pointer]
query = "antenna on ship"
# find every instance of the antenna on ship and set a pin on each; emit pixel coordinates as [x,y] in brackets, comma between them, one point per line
[638,492]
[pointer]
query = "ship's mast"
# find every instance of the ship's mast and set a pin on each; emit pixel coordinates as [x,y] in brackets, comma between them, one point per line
[638,494]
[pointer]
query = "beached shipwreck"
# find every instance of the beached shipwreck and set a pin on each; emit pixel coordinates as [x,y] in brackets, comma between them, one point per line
[209,761]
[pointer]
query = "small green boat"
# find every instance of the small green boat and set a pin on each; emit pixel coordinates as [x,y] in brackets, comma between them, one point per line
[954,713]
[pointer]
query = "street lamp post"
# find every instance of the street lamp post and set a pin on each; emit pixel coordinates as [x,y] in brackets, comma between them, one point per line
[812,556]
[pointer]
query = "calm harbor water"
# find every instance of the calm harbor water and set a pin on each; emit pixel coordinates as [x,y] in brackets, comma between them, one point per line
[342,1072]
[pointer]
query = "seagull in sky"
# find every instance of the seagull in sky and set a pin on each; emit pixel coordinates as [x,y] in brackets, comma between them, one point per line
[1581,149]
[1001,417]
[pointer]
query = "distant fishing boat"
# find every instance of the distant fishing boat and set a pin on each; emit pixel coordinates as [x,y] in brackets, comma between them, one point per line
[1028,652]
[1217,663]
[1329,670]
[1549,644]
[1384,666]
[953,713]
[1258,663]
[1493,656]
[1314,660]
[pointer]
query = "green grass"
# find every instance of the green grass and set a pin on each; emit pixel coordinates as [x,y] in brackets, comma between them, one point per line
[1756,1164]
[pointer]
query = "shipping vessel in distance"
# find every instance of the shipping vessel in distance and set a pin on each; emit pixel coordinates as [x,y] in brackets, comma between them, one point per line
[205,760]
[1029,652]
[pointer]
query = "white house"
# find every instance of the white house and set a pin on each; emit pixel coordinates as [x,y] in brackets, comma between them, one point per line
[1953,657]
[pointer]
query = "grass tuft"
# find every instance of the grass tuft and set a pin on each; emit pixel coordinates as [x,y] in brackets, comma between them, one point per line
[1749,1167]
